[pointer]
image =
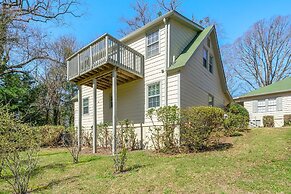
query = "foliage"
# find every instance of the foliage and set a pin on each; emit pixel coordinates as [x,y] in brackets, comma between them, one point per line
[198,125]
[163,136]
[51,135]
[71,143]
[19,145]
[268,121]
[127,136]
[104,136]
[120,160]
[287,120]
[237,118]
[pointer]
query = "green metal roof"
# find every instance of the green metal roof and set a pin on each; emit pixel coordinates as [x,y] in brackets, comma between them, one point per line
[190,49]
[277,87]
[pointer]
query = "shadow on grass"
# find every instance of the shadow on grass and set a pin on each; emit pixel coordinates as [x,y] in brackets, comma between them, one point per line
[236,134]
[51,154]
[53,183]
[218,147]
[90,159]
[54,166]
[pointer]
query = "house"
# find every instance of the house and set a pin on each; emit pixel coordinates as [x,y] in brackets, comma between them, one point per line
[169,61]
[272,100]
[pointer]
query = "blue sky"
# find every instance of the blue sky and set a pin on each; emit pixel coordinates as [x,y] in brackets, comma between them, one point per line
[235,16]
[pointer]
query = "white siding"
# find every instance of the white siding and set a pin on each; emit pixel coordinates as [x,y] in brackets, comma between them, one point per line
[174,90]
[197,82]
[278,115]
[181,36]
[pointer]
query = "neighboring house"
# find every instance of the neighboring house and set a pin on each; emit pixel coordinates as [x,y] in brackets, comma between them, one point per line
[169,61]
[273,100]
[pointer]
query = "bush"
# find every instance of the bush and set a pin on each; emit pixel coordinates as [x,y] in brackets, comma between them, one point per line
[268,121]
[287,120]
[163,137]
[126,135]
[198,126]
[70,141]
[51,135]
[120,160]
[19,145]
[104,136]
[237,118]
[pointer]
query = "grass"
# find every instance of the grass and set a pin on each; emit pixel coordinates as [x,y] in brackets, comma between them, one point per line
[258,162]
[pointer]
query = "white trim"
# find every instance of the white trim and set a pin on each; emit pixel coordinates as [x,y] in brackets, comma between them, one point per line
[147,93]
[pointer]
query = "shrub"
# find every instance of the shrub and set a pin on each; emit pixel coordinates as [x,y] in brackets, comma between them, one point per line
[104,136]
[126,135]
[268,121]
[19,145]
[237,118]
[51,135]
[120,160]
[70,141]
[163,137]
[287,120]
[198,125]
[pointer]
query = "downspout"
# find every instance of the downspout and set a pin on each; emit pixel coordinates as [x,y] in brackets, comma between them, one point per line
[167,27]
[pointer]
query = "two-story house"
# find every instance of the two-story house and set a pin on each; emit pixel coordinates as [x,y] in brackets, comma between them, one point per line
[169,61]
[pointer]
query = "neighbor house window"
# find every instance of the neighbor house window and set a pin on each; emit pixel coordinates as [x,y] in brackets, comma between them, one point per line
[85,105]
[272,105]
[211,64]
[205,57]
[152,44]
[261,106]
[154,95]
[208,42]
[210,100]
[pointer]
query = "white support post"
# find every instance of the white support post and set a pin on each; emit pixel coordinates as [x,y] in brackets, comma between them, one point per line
[79,134]
[114,109]
[106,48]
[68,66]
[91,57]
[94,116]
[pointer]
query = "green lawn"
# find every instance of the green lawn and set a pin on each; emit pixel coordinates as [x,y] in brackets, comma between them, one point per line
[258,162]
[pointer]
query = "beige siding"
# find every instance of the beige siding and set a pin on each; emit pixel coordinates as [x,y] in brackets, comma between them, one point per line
[197,82]
[278,115]
[181,36]
[87,120]
[174,90]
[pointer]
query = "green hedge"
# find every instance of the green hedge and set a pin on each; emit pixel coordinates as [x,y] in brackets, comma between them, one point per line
[197,126]
[237,118]
[51,135]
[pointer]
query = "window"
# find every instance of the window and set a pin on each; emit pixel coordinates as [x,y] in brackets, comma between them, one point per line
[272,105]
[205,57]
[210,100]
[154,95]
[208,42]
[261,106]
[152,44]
[211,64]
[85,105]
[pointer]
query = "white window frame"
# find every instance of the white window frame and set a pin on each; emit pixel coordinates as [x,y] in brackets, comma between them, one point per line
[272,105]
[151,44]
[211,64]
[207,55]
[261,106]
[148,97]
[83,108]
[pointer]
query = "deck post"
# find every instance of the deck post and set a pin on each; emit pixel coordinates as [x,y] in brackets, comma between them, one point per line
[94,115]
[79,133]
[114,109]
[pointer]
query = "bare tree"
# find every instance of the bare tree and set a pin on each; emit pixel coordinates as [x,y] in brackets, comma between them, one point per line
[170,5]
[263,52]
[20,43]
[142,17]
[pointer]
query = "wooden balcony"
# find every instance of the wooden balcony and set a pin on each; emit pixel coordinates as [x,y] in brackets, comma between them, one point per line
[98,59]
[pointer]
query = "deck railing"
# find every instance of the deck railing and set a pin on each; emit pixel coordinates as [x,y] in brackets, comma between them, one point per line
[105,49]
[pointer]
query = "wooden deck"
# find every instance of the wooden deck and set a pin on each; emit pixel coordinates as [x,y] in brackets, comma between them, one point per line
[98,59]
